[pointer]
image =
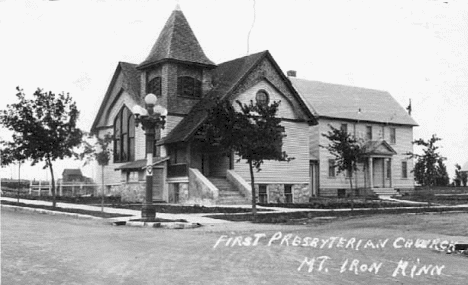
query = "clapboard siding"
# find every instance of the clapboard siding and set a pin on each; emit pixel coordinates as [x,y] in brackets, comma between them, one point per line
[110,175]
[314,139]
[296,145]
[403,145]
[285,109]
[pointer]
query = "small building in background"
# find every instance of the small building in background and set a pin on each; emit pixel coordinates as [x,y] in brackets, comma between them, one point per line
[72,175]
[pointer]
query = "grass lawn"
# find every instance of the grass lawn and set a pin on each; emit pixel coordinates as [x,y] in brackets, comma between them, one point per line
[66,210]
[439,195]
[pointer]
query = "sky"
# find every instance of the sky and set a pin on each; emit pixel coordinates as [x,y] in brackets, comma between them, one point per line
[413,49]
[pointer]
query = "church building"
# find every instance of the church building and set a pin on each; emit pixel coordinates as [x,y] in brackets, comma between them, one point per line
[185,81]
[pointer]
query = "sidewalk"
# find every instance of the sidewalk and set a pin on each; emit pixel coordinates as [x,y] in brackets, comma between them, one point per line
[201,217]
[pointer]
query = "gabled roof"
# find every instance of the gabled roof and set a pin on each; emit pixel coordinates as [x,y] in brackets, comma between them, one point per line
[69,171]
[141,163]
[226,77]
[177,42]
[380,147]
[352,103]
[130,83]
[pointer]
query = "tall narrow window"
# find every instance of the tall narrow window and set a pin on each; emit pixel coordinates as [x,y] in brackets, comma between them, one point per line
[262,194]
[331,168]
[369,133]
[344,127]
[124,136]
[131,137]
[157,137]
[392,135]
[154,86]
[404,169]
[288,193]
[117,141]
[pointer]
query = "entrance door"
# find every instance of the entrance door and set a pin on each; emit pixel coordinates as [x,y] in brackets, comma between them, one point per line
[314,183]
[158,184]
[218,165]
[378,173]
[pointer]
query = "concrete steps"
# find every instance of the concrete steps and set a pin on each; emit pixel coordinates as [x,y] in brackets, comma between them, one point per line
[228,194]
[386,192]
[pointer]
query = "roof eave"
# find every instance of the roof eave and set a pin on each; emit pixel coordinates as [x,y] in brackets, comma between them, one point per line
[146,65]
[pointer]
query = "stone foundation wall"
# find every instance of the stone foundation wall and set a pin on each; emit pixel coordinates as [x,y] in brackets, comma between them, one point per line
[129,192]
[275,193]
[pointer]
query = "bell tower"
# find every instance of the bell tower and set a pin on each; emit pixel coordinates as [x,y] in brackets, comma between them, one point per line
[176,69]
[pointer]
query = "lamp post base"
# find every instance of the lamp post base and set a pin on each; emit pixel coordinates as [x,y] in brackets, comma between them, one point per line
[148,212]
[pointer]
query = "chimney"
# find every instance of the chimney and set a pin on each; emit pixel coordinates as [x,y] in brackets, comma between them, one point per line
[291,73]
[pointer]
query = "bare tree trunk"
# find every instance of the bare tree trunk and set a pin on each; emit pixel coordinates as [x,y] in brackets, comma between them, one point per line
[19,181]
[102,188]
[352,190]
[54,199]
[252,182]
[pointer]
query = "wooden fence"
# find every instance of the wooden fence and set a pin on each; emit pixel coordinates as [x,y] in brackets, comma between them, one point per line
[44,188]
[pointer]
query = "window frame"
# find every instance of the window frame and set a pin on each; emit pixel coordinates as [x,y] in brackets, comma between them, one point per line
[154,86]
[344,127]
[262,102]
[404,169]
[331,168]
[124,136]
[369,133]
[262,194]
[393,135]
[288,197]
[195,85]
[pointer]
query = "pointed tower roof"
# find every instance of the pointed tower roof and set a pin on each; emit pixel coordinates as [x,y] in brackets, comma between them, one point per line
[177,42]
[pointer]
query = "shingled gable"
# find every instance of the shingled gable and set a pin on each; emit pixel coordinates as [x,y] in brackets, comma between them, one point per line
[130,83]
[176,42]
[227,76]
[344,102]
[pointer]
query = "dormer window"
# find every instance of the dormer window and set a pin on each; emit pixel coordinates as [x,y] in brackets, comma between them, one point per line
[262,98]
[188,87]
[154,86]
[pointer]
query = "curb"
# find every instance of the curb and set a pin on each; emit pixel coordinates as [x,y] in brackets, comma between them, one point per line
[165,225]
[50,212]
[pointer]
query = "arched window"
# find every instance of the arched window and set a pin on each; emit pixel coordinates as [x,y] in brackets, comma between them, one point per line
[188,86]
[262,97]
[124,136]
[154,86]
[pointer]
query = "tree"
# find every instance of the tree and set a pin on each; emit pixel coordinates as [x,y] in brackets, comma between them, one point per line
[101,152]
[442,178]
[44,128]
[458,175]
[8,155]
[347,151]
[254,133]
[427,167]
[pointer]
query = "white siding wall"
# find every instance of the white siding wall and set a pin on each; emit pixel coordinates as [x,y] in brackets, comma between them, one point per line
[296,145]
[403,145]
[285,108]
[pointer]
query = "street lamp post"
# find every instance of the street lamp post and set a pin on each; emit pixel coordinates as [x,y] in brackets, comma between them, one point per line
[151,117]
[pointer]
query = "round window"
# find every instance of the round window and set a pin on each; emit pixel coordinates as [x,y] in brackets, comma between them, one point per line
[262,97]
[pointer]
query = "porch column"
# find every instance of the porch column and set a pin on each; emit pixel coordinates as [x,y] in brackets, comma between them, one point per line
[188,157]
[371,178]
[391,173]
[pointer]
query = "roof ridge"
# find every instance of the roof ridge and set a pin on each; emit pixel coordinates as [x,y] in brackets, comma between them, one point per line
[338,84]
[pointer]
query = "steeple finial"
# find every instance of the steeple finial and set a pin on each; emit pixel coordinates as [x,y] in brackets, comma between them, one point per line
[177,7]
